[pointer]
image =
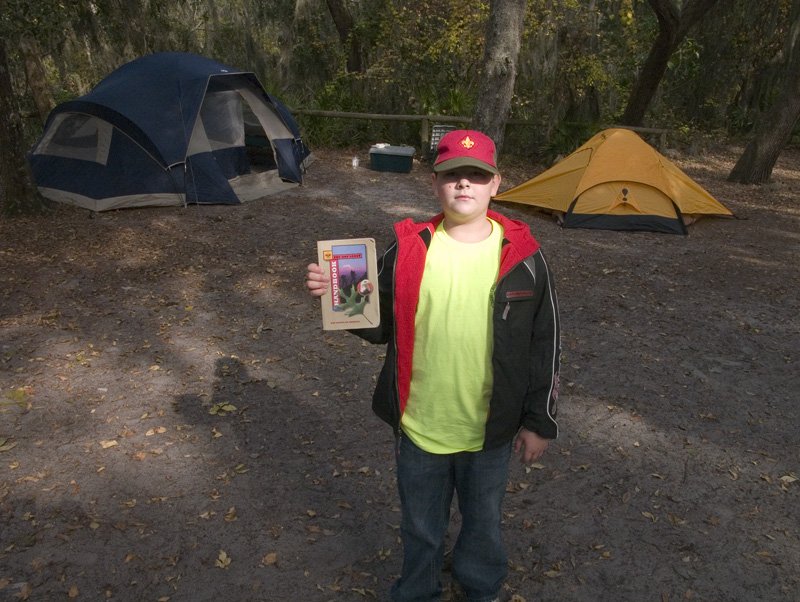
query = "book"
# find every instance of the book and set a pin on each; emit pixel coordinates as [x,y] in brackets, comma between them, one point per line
[351,300]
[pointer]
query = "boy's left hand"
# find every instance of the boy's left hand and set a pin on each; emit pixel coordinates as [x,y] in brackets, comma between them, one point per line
[531,445]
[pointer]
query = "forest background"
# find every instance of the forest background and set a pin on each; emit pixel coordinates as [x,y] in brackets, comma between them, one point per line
[704,69]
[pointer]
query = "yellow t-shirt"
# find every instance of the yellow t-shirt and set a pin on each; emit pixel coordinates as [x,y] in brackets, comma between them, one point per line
[451,376]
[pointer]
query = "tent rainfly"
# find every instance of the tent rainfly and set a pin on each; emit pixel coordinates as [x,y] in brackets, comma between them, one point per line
[169,128]
[616,181]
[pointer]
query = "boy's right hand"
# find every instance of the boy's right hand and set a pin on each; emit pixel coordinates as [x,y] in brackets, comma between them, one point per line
[316,280]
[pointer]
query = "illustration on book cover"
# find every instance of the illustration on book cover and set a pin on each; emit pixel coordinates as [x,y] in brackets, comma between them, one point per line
[352,298]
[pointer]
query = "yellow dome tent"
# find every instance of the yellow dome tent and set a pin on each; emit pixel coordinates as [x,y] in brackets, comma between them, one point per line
[616,181]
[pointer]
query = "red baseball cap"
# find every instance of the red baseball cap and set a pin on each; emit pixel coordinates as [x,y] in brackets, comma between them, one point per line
[461,148]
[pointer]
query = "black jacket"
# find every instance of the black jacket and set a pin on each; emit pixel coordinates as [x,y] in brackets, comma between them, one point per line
[527,339]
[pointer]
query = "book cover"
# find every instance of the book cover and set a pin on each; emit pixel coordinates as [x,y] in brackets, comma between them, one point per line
[352,297]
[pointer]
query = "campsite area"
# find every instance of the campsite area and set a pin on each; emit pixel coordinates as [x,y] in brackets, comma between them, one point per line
[175,426]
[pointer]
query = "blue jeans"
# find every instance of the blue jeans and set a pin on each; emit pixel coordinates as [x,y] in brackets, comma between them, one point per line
[426,482]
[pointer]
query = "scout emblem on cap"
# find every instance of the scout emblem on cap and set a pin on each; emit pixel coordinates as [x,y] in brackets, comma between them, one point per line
[467,143]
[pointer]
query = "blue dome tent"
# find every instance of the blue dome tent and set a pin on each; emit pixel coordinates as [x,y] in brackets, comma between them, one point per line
[169,128]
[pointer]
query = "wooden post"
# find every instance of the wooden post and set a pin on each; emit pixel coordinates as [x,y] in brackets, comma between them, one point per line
[424,137]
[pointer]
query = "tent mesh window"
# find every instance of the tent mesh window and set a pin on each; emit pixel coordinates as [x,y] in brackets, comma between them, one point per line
[77,136]
[220,123]
[221,113]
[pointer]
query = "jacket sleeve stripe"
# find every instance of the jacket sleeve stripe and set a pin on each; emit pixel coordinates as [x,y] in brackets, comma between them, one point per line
[552,398]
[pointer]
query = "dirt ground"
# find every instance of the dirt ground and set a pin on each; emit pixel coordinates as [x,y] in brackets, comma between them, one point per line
[175,426]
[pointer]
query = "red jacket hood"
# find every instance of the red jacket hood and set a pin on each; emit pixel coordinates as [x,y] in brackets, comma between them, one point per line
[518,234]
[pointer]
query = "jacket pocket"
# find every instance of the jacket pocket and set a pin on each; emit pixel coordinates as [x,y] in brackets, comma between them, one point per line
[506,298]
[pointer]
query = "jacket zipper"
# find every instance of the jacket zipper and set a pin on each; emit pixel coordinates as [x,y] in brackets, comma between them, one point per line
[398,412]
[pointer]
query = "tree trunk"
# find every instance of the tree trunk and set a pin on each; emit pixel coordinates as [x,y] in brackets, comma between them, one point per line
[673,26]
[213,28]
[18,192]
[773,134]
[503,39]
[343,21]
[37,81]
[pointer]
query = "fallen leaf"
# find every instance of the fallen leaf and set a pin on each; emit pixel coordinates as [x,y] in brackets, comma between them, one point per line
[107,444]
[269,559]
[364,591]
[223,561]
[73,591]
[18,397]
[221,409]
[6,444]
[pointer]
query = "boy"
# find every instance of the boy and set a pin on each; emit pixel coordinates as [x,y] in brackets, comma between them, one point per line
[469,312]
